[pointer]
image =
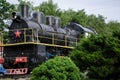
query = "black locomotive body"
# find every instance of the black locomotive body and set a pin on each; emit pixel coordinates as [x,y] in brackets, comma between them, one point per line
[27,33]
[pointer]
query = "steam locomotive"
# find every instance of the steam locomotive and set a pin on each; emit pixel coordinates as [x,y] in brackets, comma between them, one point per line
[33,40]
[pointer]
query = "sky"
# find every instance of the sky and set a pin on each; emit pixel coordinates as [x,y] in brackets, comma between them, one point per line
[110,9]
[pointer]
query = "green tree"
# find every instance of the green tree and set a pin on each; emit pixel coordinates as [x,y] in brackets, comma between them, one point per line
[67,16]
[98,23]
[5,12]
[59,68]
[80,17]
[113,26]
[49,8]
[100,56]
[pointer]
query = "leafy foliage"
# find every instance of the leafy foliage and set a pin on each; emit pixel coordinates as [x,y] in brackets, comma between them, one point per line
[5,12]
[113,26]
[98,23]
[49,8]
[57,69]
[99,55]
[116,34]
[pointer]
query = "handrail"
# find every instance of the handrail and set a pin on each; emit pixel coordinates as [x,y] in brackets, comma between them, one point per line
[36,38]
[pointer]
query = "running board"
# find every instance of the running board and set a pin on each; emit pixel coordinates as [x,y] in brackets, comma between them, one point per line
[16,71]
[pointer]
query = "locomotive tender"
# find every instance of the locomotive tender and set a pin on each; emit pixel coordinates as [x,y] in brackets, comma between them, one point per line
[35,39]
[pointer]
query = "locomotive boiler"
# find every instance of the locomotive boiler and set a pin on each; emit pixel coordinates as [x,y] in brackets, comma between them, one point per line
[34,39]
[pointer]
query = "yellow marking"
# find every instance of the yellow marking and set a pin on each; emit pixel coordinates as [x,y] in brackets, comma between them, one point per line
[53,45]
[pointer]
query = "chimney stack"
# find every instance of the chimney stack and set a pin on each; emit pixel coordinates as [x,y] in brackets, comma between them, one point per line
[50,20]
[24,10]
[57,22]
[39,17]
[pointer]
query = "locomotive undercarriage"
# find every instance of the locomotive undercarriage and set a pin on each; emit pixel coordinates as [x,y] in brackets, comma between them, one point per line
[20,58]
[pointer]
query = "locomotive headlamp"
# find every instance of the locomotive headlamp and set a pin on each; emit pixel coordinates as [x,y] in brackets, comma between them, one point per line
[14,15]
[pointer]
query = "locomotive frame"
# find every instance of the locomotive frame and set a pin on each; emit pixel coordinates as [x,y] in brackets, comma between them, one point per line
[30,41]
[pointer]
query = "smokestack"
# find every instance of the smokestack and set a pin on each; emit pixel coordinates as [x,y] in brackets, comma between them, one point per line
[39,17]
[50,20]
[57,22]
[24,10]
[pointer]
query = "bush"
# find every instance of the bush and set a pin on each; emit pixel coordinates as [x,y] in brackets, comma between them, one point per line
[59,68]
[100,56]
